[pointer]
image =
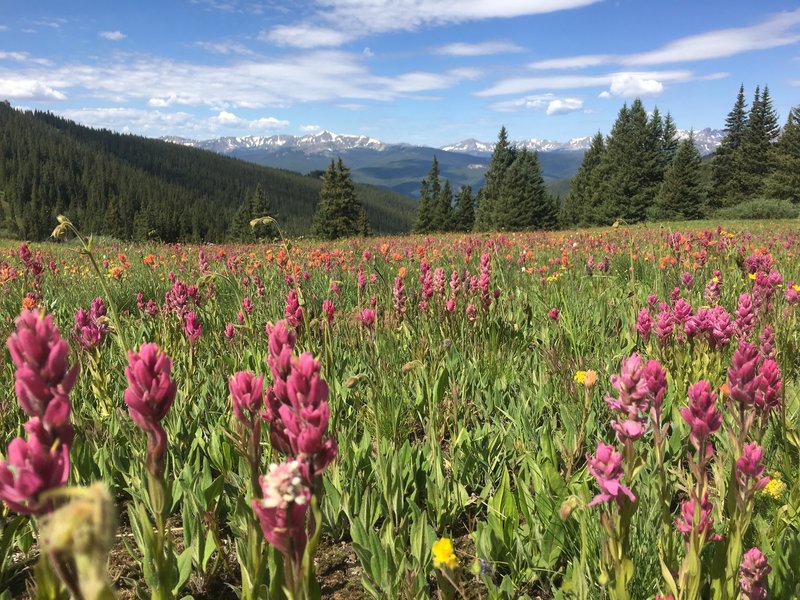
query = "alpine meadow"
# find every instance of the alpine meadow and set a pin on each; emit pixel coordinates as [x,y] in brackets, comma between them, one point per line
[249,358]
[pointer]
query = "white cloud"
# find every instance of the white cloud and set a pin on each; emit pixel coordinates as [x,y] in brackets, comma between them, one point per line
[367,52]
[268,123]
[226,118]
[647,81]
[564,106]
[631,85]
[479,49]
[550,103]
[225,47]
[28,89]
[575,62]
[156,122]
[310,128]
[54,23]
[19,56]
[3,27]
[352,106]
[369,17]
[305,36]
[132,119]
[778,30]
[114,36]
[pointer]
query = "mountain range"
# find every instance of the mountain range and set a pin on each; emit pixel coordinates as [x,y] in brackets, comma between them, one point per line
[401,167]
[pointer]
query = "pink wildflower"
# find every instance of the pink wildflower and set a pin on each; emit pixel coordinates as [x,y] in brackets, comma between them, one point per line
[606,467]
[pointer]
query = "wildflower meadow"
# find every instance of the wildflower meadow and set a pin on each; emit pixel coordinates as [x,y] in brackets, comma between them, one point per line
[606,413]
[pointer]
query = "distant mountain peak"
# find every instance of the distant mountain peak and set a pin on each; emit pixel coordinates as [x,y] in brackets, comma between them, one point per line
[705,140]
[322,142]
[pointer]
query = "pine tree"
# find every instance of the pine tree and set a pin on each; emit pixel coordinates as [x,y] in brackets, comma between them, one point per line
[756,159]
[669,137]
[630,172]
[464,213]
[578,208]
[258,206]
[784,181]
[682,194]
[524,202]
[364,228]
[502,157]
[724,166]
[339,213]
[443,209]
[429,191]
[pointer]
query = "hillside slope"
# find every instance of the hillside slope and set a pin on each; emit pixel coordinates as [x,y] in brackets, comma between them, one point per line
[135,187]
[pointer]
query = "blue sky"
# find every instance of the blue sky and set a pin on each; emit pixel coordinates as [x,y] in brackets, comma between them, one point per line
[418,71]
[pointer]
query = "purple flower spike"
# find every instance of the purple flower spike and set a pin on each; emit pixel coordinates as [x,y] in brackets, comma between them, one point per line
[281,511]
[149,397]
[31,469]
[753,573]
[742,373]
[750,470]
[702,414]
[247,396]
[705,525]
[606,467]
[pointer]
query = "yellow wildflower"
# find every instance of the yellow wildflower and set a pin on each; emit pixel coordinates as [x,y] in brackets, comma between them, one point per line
[775,488]
[586,378]
[443,555]
[796,288]
[752,276]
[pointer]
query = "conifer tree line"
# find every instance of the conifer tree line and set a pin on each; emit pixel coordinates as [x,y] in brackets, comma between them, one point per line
[438,210]
[513,198]
[641,171]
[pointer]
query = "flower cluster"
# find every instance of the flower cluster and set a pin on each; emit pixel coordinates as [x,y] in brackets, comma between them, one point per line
[91,326]
[149,396]
[297,411]
[606,467]
[44,380]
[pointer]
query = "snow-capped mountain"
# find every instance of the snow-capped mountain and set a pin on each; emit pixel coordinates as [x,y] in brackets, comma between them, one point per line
[470,146]
[323,142]
[477,148]
[705,140]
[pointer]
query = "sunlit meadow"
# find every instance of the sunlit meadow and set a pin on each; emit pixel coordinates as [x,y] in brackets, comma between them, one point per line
[608,413]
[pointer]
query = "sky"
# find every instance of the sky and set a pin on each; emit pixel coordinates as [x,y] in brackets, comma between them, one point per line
[427,72]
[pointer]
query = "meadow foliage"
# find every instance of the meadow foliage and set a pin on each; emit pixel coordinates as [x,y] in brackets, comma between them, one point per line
[608,413]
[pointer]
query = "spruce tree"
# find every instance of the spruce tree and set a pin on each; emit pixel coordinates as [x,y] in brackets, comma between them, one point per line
[339,213]
[682,194]
[756,161]
[784,181]
[669,137]
[502,157]
[630,173]
[724,168]
[429,190]
[464,212]
[524,202]
[443,209]
[258,206]
[578,209]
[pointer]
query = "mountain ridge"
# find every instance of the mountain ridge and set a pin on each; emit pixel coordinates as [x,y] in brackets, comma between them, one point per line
[328,142]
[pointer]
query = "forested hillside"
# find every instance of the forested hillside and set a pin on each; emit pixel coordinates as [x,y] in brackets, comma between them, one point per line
[133,187]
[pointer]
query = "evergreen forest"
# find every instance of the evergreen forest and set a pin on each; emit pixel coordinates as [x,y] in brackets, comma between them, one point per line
[132,187]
